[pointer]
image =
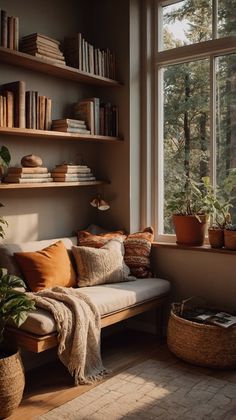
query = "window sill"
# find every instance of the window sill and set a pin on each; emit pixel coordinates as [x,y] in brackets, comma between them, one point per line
[204,248]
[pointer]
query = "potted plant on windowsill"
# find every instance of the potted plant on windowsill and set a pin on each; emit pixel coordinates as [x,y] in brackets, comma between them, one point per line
[14,307]
[190,209]
[230,236]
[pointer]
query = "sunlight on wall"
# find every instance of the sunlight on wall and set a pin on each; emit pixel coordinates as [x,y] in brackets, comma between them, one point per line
[24,226]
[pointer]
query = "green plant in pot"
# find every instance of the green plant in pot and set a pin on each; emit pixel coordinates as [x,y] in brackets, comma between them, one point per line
[14,308]
[219,202]
[190,208]
[230,236]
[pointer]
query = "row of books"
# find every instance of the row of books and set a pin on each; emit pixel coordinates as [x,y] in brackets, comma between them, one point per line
[100,118]
[38,111]
[42,46]
[81,54]
[20,108]
[9,31]
[61,173]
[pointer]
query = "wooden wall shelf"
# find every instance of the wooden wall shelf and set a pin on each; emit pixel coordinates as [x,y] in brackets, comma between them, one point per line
[50,185]
[27,61]
[28,132]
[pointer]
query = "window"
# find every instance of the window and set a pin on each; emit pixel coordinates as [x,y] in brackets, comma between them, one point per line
[196,96]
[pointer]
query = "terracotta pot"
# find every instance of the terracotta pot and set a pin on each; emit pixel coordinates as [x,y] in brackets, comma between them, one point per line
[189,229]
[230,239]
[12,382]
[216,237]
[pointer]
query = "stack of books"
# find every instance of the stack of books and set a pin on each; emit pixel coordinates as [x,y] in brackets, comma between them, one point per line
[42,46]
[69,125]
[81,54]
[9,31]
[22,175]
[72,173]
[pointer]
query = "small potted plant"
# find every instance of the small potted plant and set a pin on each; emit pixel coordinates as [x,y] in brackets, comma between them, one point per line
[190,208]
[14,307]
[230,236]
[220,203]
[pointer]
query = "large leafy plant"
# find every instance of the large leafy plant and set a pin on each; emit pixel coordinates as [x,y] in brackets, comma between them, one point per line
[14,304]
[190,199]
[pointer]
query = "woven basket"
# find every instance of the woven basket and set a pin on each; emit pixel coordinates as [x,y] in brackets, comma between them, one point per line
[202,344]
[12,382]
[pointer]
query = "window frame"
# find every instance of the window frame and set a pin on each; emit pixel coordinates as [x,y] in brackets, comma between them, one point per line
[211,49]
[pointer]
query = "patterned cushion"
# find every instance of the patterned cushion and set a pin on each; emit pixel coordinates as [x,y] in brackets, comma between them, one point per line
[104,265]
[86,238]
[137,252]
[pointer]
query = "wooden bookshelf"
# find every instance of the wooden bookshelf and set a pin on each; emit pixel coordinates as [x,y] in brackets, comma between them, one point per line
[50,185]
[56,135]
[30,62]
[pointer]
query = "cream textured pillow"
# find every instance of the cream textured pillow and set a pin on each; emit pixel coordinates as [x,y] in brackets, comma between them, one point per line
[103,265]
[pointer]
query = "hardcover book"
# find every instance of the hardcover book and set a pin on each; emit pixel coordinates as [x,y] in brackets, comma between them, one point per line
[30,170]
[18,89]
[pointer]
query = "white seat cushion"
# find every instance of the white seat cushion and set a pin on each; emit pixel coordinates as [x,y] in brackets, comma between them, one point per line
[108,298]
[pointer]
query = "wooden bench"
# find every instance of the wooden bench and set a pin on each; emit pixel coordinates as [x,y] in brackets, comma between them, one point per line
[38,344]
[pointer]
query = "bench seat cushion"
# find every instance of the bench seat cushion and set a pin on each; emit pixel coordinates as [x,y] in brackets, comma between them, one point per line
[109,298]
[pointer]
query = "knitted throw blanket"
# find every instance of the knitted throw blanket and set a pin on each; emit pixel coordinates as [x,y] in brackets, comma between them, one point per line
[78,325]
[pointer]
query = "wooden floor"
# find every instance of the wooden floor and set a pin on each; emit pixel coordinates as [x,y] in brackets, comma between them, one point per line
[51,385]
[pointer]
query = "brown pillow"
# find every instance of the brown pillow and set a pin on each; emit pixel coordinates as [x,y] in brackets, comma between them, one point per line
[86,238]
[47,268]
[137,252]
[99,266]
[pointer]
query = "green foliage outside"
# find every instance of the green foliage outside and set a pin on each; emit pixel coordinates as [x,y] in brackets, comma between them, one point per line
[187,114]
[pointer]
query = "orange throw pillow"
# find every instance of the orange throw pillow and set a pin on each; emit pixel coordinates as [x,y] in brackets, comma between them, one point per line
[47,268]
[137,252]
[97,241]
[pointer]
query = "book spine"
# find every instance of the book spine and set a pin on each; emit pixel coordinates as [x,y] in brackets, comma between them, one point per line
[48,114]
[4,111]
[4,29]
[28,109]
[1,111]
[10,23]
[10,108]
[34,109]
[20,106]
[42,100]
[16,33]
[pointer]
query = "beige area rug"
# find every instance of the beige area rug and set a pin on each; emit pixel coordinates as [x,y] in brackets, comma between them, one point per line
[156,390]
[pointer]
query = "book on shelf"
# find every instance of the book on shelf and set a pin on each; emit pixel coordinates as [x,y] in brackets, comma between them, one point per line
[69,122]
[10,35]
[27,170]
[28,175]
[16,32]
[96,102]
[48,114]
[70,178]
[17,180]
[4,29]
[18,90]
[58,171]
[44,51]
[40,45]
[84,110]
[75,130]
[49,59]
[41,112]
[84,175]
[9,108]
[42,38]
